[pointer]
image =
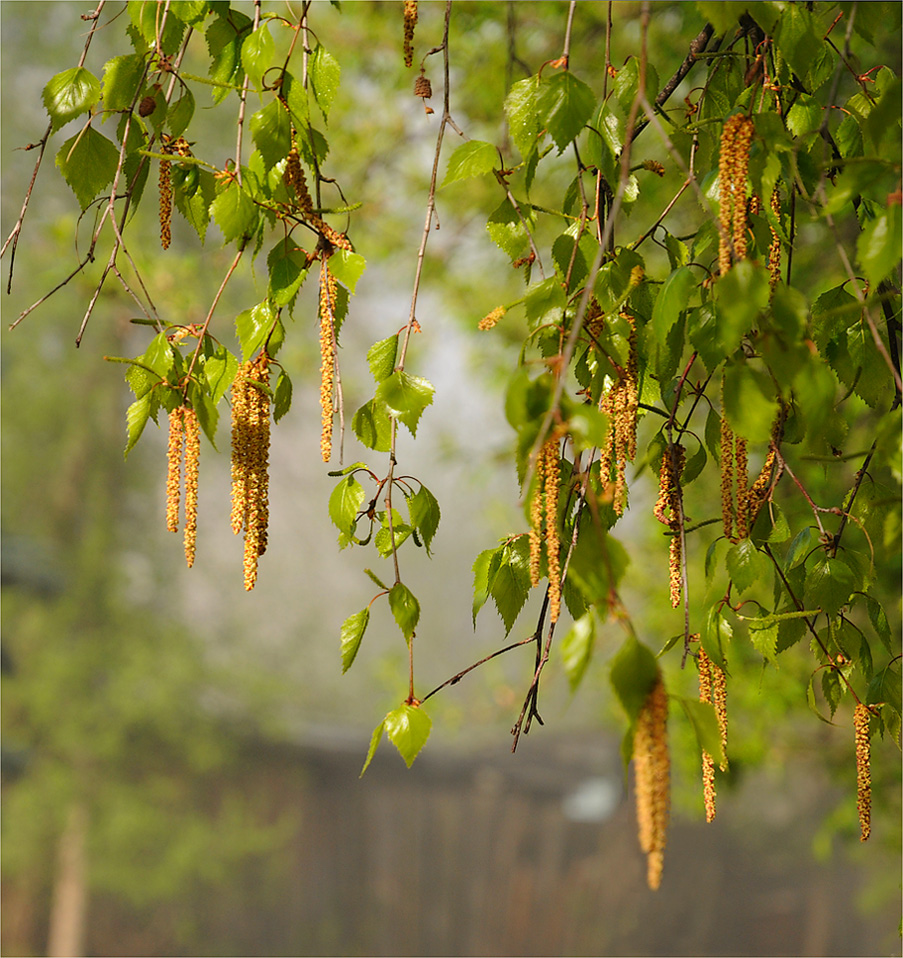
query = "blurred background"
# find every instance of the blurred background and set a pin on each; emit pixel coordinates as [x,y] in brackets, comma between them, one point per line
[181,759]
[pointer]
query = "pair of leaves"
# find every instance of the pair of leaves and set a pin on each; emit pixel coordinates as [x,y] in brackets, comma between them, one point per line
[405,609]
[408,728]
[504,574]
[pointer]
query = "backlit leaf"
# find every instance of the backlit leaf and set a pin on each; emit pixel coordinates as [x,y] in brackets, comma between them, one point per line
[88,163]
[473,158]
[405,397]
[408,729]
[405,608]
[69,94]
[353,629]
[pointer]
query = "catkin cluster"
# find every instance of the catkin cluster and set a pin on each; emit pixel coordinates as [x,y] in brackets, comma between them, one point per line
[184,446]
[295,179]
[544,522]
[327,357]
[863,770]
[713,689]
[250,460]
[410,21]
[668,510]
[620,404]
[652,767]
[732,172]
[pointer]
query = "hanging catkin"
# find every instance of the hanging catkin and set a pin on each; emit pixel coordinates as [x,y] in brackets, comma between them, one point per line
[327,358]
[863,770]
[652,768]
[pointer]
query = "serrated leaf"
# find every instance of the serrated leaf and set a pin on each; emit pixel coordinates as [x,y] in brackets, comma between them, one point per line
[234,212]
[180,113]
[257,54]
[405,608]
[878,618]
[325,75]
[196,207]
[253,326]
[136,419]
[507,231]
[347,267]
[510,581]
[353,629]
[829,584]
[564,104]
[271,130]
[408,729]
[344,503]
[803,543]
[282,396]
[633,674]
[520,108]
[705,724]
[473,158]
[372,425]
[381,358]
[287,269]
[388,541]
[832,688]
[740,295]
[749,401]
[69,94]
[879,243]
[746,565]
[375,739]
[88,163]
[716,635]
[121,80]
[577,648]
[405,397]
[219,371]
[885,687]
[763,634]
[425,515]
[671,301]
[481,568]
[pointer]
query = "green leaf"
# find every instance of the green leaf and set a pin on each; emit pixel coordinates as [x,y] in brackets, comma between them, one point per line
[234,212]
[381,358]
[372,426]
[88,163]
[749,401]
[803,543]
[282,396]
[523,119]
[885,688]
[145,15]
[69,94]
[878,618]
[509,580]
[253,326]
[196,207]
[740,295]
[473,158]
[405,396]
[121,81]
[829,584]
[747,566]
[577,648]
[258,53]
[136,417]
[543,301]
[598,564]
[347,267]
[325,74]
[481,567]
[633,674]
[671,301]
[219,371]
[271,131]
[832,689]
[180,113]
[425,515]
[763,634]
[804,116]
[507,231]
[879,243]
[287,269]
[375,739]
[344,503]
[225,36]
[716,634]
[408,729]
[614,280]
[405,608]
[564,104]
[353,629]
[798,41]
[388,540]
[705,724]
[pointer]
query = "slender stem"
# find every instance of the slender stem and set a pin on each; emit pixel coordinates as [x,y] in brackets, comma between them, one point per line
[460,675]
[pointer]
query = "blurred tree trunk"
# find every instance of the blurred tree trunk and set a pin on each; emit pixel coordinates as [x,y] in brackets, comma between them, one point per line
[69,910]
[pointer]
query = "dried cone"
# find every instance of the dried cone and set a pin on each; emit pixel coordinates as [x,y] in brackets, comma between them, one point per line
[652,768]
[423,87]
[863,770]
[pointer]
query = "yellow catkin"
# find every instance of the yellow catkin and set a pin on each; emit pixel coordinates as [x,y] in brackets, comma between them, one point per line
[410,21]
[758,492]
[741,469]
[295,179]
[536,513]
[733,166]
[553,546]
[174,468]
[719,700]
[165,186]
[620,404]
[192,461]
[327,358]
[240,441]
[727,473]
[257,479]
[704,665]
[863,770]
[667,510]
[652,768]
[774,249]
[490,319]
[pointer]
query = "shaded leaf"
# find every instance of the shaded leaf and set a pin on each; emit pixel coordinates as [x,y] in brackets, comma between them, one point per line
[353,629]
[633,674]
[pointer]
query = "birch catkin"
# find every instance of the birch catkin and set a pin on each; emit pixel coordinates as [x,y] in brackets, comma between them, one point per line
[327,358]
[192,462]
[174,468]
[863,770]
[733,166]
[652,768]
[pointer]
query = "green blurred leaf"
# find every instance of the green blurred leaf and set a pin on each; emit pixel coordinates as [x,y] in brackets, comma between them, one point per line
[879,244]
[704,722]
[375,739]
[425,515]
[473,158]
[325,75]
[749,401]
[353,629]
[740,295]
[347,267]
[287,270]
[408,729]
[577,648]
[633,674]
[672,300]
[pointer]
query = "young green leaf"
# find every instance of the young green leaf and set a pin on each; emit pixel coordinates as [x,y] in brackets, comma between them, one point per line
[282,396]
[705,724]
[408,729]
[372,425]
[88,163]
[347,267]
[344,503]
[121,80]
[405,396]
[136,419]
[633,673]
[577,648]
[405,608]
[257,54]
[325,74]
[473,158]
[353,629]
[425,515]
[381,358]
[564,104]
[672,300]
[253,326]
[271,131]
[375,739]
[287,269]
[69,94]
[235,213]
[747,565]
[829,584]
